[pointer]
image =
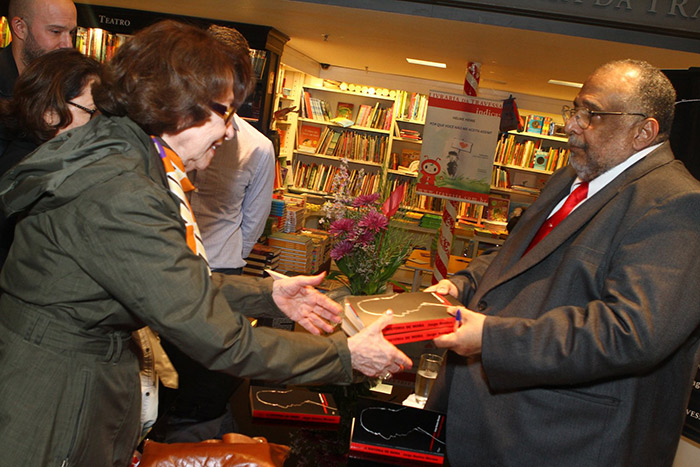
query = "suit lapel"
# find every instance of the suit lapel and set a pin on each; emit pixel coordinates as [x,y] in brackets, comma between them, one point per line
[510,261]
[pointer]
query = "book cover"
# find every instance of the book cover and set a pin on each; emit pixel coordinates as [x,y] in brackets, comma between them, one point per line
[408,156]
[534,124]
[497,209]
[385,430]
[293,404]
[309,136]
[344,110]
[414,312]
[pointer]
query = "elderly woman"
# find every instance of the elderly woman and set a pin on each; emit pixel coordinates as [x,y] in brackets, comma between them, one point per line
[53,95]
[108,245]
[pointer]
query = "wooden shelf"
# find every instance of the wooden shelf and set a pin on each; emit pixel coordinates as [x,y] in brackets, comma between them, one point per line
[538,135]
[337,159]
[353,127]
[348,93]
[524,169]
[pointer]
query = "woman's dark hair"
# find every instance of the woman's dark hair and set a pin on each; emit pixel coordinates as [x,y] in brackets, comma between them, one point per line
[165,77]
[46,85]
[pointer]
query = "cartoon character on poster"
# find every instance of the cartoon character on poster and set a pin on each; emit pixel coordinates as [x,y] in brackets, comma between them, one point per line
[429,168]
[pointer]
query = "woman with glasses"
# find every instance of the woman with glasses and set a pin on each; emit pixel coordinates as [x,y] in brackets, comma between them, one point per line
[108,245]
[53,95]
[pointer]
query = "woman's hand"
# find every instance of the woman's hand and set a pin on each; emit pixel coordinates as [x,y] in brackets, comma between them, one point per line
[373,355]
[301,302]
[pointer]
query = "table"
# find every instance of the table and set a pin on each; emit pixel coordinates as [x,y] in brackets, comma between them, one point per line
[419,261]
[312,445]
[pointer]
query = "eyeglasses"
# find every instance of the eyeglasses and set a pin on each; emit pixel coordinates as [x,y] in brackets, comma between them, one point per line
[583,115]
[83,108]
[224,112]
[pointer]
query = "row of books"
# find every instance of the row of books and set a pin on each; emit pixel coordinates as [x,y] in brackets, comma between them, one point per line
[354,145]
[368,116]
[380,430]
[98,43]
[374,116]
[5,34]
[412,199]
[529,154]
[319,177]
[543,125]
[260,258]
[411,106]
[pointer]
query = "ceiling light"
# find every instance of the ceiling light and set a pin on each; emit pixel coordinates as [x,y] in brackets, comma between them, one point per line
[571,84]
[426,63]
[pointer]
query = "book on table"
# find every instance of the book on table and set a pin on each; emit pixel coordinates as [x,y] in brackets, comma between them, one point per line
[417,315]
[293,404]
[386,430]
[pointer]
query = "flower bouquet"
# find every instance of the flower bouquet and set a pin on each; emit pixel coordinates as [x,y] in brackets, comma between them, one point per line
[367,249]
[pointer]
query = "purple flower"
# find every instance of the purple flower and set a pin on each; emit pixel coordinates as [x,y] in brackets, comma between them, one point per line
[365,238]
[374,221]
[341,249]
[342,226]
[365,200]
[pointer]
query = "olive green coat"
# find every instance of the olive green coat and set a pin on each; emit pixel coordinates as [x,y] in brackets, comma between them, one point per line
[101,251]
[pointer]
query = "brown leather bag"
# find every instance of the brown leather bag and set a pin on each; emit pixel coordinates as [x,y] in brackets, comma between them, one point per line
[232,451]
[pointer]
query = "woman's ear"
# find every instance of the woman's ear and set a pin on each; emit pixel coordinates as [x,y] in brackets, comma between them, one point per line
[51,117]
[646,134]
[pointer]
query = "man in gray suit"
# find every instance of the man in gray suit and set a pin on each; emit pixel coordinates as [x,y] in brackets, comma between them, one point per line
[581,348]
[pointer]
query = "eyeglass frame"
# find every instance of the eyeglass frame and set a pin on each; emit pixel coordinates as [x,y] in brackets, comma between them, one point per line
[224,112]
[83,108]
[569,112]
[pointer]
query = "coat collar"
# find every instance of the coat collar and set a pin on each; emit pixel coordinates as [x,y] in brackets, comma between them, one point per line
[510,260]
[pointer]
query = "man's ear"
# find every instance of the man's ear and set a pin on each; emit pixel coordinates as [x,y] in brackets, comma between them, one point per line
[646,134]
[19,28]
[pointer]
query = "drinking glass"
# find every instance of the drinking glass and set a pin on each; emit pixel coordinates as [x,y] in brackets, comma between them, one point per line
[427,374]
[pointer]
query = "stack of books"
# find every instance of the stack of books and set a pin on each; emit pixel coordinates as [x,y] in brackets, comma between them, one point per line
[293,219]
[296,251]
[418,316]
[430,221]
[260,258]
[385,431]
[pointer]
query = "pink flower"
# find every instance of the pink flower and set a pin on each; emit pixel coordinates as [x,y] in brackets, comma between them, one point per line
[365,238]
[342,226]
[365,200]
[341,249]
[374,221]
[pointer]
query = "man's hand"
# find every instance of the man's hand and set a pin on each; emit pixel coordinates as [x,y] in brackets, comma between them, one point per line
[373,355]
[301,302]
[466,340]
[444,287]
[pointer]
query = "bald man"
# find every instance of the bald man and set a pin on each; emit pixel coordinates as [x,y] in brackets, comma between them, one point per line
[38,26]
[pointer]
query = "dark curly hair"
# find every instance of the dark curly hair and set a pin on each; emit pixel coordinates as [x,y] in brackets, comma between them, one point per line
[165,77]
[46,85]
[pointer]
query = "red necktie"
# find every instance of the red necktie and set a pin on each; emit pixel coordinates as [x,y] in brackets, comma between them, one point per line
[579,194]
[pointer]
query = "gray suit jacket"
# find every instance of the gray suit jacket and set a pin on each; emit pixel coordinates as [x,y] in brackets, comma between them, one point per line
[591,340]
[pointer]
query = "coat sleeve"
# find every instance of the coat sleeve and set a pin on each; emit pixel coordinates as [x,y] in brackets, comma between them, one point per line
[131,241]
[467,280]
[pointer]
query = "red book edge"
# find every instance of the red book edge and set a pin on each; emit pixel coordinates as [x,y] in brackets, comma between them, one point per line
[397,453]
[406,337]
[331,419]
[419,325]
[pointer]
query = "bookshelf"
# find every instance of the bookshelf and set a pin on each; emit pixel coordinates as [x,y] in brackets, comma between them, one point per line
[102,29]
[524,161]
[334,124]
